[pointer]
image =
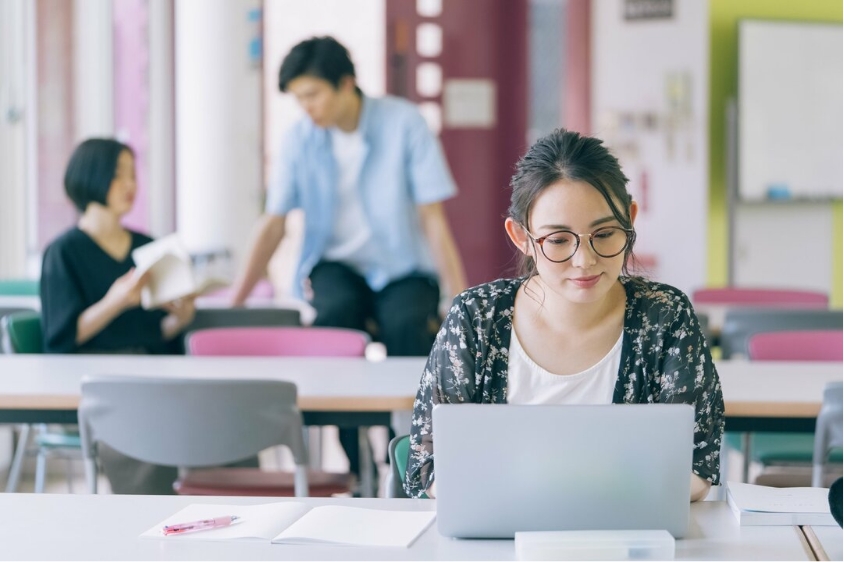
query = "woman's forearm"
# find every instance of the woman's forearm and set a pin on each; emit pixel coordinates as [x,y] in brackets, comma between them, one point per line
[96,317]
[700,488]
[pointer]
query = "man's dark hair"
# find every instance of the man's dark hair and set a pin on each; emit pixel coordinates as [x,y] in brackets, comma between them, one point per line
[91,170]
[320,57]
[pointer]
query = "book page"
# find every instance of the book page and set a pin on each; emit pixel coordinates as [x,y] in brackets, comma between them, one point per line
[170,271]
[258,522]
[355,526]
[750,497]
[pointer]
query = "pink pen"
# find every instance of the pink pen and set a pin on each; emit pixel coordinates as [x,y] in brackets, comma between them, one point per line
[191,526]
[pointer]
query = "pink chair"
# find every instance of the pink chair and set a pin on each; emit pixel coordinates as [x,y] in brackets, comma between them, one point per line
[787,457]
[754,296]
[293,341]
[808,345]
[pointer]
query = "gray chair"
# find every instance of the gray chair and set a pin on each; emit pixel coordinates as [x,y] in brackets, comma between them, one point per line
[828,429]
[244,317]
[190,423]
[741,323]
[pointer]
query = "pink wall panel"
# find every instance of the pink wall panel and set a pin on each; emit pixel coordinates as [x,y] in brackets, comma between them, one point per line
[481,39]
[54,46]
[131,96]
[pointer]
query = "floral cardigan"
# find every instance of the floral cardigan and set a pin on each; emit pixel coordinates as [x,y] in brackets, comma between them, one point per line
[664,359]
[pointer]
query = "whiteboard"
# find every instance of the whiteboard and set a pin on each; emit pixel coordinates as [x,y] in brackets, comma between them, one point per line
[790,110]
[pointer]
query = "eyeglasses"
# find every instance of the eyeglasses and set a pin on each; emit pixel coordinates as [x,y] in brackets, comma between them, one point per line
[562,245]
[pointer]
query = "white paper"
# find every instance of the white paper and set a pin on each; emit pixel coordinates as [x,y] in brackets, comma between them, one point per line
[258,522]
[294,523]
[354,526]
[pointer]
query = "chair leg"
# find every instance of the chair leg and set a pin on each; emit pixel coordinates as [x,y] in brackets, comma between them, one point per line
[300,481]
[17,461]
[69,473]
[745,463]
[91,474]
[367,478]
[40,471]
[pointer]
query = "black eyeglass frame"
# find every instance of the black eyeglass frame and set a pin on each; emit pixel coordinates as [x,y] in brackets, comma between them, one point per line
[629,232]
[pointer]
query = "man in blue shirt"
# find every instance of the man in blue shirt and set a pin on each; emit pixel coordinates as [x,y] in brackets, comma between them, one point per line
[371,179]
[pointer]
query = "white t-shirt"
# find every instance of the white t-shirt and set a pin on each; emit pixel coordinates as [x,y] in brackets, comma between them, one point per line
[351,237]
[528,383]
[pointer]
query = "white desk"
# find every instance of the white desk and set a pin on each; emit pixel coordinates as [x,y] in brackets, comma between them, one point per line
[76,527]
[829,539]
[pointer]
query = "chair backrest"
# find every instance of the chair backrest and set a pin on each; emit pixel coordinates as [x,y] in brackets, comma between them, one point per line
[20,332]
[189,422]
[808,345]
[756,296]
[19,287]
[273,342]
[829,429]
[398,450]
[741,323]
[241,317]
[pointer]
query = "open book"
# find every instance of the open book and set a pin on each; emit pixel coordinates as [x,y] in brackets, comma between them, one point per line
[763,505]
[296,523]
[172,275]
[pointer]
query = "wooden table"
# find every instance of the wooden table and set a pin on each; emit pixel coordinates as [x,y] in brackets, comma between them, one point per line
[106,527]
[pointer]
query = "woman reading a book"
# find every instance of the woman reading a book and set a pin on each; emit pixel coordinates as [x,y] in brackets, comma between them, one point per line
[576,328]
[90,294]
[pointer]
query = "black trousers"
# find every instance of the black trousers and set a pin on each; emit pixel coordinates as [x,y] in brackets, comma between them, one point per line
[403,316]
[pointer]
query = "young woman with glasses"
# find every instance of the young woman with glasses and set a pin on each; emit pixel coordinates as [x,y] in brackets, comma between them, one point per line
[577,327]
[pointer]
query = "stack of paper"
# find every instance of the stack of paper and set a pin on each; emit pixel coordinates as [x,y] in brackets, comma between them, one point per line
[763,505]
[295,523]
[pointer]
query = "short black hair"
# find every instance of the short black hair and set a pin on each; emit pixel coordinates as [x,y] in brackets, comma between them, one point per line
[91,170]
[320,57]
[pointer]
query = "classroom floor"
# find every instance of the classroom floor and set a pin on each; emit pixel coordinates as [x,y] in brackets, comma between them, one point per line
[333,460]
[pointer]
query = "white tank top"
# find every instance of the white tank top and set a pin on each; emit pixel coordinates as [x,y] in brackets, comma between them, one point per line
[528,383]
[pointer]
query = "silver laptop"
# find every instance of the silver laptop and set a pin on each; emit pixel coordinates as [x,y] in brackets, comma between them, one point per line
[506,468]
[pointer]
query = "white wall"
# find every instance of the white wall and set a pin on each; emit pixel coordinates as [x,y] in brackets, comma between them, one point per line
[649,103]
[16,109]
[361,26]
[218,124]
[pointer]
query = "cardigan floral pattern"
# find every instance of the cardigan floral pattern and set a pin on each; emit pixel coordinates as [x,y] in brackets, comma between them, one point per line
[664,359]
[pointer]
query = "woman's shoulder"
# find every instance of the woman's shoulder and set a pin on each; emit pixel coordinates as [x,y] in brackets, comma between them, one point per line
[645,293]
[491,293]
[70,239]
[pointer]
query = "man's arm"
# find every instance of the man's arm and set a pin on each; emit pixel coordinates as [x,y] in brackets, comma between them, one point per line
[265,239]
[448,262]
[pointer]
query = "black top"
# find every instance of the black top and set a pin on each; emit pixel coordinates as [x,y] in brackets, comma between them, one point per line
[77,273]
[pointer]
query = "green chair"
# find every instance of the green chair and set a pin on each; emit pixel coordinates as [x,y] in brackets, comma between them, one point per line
[19,287]
[398,450]
[21,333]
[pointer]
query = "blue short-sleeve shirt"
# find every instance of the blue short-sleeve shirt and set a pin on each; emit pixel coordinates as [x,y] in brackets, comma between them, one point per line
[403,167]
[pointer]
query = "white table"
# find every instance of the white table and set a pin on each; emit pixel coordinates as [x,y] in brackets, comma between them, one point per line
[76,527]
[772,396]
[826,540]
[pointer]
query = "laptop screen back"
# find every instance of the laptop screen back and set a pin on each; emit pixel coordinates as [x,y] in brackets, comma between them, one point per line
[500,469]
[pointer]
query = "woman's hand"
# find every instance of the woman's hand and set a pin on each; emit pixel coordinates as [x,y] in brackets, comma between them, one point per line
[125,292]
[181,313]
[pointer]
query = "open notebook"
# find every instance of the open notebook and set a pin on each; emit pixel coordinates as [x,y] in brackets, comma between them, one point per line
[296,523]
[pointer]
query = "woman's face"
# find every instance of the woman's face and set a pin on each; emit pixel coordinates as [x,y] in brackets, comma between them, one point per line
[578,207]
[121,193]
